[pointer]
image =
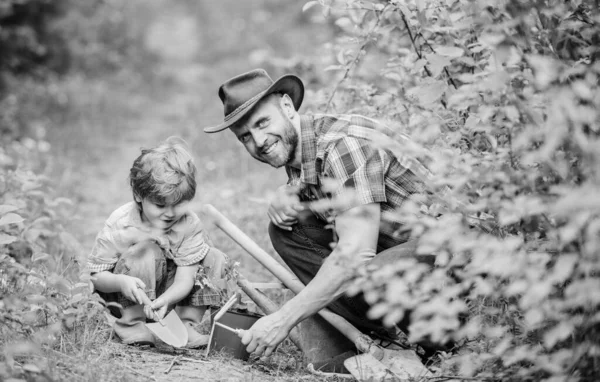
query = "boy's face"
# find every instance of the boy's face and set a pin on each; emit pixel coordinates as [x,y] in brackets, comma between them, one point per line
[162,216]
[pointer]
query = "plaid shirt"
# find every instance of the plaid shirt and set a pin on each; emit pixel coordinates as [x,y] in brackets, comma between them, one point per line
[183,242]
[340,153]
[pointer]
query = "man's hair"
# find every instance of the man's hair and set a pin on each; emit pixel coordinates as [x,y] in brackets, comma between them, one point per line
[166,171]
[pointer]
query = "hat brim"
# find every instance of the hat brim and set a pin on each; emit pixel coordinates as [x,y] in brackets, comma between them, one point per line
[288,84]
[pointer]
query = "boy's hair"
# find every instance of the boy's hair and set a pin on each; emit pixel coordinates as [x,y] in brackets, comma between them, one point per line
[166,171]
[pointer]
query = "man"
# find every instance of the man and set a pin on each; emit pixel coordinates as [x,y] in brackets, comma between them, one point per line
[338,177]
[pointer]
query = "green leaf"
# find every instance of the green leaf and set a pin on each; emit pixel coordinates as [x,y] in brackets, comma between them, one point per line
[4,208]
[10,218]
[449,51]
[344,23]
[437,64]
[6,239]
[309,5]
[428,93]
[41,256]
[31,368]
[558,333]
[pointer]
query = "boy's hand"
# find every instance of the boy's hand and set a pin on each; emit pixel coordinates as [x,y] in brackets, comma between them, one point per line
[133,289]
[285,206]
[157,309]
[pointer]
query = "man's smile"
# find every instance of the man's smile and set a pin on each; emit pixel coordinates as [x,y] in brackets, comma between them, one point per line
[268,149]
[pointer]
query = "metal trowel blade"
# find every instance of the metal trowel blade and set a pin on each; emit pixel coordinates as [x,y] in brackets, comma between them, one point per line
[172,331]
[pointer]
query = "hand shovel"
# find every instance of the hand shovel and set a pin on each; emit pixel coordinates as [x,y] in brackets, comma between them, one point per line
[171,330]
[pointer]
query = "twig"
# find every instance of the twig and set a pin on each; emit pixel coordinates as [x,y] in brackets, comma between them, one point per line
[445,68]
[356,58]
[193,360]
[168,369]
[439,378]
[312,370]
[139,373]
[417,51]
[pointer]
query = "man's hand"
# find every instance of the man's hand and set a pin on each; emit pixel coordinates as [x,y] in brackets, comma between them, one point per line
[133,289]
[266,333]
[157,309]
[285,206]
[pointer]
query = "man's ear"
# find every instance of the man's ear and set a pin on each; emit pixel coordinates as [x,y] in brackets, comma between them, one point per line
[287,105]
[137,198]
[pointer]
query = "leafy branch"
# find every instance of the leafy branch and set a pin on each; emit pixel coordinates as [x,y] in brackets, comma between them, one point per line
[355,60]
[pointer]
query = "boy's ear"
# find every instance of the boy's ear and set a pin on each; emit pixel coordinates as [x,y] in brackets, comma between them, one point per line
[137,198]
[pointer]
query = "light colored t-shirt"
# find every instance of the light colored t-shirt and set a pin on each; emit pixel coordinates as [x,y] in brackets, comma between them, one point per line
[183,243]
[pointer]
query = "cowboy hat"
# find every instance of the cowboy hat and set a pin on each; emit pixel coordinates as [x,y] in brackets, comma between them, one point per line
[241,93]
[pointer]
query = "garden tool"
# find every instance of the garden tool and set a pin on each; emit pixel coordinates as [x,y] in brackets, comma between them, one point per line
[170,330]
[232,300]
[397,364]
[239,332]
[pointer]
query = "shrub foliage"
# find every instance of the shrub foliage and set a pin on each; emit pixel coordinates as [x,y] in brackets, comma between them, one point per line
[505,96]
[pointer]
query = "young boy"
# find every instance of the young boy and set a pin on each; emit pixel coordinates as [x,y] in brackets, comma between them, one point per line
[152,254]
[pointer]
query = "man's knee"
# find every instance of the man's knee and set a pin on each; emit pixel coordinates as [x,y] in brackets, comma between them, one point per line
[279,238]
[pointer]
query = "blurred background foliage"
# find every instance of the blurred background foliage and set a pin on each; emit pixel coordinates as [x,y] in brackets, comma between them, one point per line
[504,93]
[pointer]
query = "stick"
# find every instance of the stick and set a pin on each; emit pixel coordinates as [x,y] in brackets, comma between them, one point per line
[239,332]
[175,359]
[193,360]
[139,373]
[320,373]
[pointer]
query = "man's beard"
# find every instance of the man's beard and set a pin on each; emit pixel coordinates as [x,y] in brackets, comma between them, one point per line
[289,141]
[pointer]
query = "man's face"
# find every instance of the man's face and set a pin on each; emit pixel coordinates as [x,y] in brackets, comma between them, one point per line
[268,134]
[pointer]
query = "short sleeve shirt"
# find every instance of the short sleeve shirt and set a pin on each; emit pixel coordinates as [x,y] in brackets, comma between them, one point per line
[339,153]
[183,243]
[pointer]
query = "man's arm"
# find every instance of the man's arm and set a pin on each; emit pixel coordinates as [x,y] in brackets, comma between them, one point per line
[358,231]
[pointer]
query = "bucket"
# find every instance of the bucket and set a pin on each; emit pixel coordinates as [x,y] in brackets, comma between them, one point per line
[229,342]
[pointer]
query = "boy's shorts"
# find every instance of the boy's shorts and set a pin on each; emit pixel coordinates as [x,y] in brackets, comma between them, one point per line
[158,278]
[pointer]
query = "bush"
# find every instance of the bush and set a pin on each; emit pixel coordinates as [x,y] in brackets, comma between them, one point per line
[507,95]
[45,297]
[26,41]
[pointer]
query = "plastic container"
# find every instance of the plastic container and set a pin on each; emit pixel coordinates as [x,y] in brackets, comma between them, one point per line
[226,340]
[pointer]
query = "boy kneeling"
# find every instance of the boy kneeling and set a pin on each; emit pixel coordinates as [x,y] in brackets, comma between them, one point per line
[152,254]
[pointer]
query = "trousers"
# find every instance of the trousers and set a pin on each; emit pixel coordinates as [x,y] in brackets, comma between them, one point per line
[305,248]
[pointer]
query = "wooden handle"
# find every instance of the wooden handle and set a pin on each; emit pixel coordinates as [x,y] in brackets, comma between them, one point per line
[285,276]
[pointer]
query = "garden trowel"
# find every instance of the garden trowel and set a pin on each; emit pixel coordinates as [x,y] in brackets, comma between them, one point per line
[170,330]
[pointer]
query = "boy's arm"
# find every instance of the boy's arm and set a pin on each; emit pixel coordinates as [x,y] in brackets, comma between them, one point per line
[131,287]
[185,277]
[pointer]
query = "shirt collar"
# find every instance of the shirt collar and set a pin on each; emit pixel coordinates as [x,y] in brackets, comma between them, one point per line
[308,172]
